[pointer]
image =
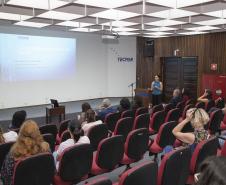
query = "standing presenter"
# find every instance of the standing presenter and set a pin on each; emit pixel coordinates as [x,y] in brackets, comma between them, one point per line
[156,88]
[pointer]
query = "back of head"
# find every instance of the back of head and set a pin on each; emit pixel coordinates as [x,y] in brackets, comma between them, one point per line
[176,92]
[18,118]
[199,117]
[85,106]
[75,129]
[125,103]
[30,141]
[212,171]
[209,94]
[90,116]
[106,103]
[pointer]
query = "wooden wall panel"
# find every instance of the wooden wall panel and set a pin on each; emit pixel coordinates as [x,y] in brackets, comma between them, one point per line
[209,48]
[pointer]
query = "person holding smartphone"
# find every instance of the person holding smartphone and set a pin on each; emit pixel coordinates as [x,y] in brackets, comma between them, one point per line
[156,88]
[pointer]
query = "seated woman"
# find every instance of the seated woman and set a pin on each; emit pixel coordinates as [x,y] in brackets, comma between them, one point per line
[198,118]
[105,108]
[206,97]
[77,137]
[124,105]
[85,106]
[29,142]
[90,118]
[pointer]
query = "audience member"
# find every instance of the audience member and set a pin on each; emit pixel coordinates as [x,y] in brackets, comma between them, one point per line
[176,97]
[124,105]
[206,97]
[198,118]
[186,95]
[29,142]
[156,88]
[2,139]
[10,136]
[90,118]
[137,102]
[105,108]
[85,106]
[212,172]
[77,137]
[18,119]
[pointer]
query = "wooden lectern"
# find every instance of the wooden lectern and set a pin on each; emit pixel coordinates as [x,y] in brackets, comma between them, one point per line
[144,94]
[55,111]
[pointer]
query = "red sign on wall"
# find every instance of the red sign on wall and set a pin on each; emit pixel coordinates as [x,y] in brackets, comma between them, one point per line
[213,67]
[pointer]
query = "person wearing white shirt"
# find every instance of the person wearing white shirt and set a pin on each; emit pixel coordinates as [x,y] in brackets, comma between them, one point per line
[90,121]
[77,137]
[10,136]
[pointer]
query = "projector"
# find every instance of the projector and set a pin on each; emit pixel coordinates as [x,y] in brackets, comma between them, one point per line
[110,37]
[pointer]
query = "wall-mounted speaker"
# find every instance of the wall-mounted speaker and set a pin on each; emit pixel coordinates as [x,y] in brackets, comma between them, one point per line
[149,48]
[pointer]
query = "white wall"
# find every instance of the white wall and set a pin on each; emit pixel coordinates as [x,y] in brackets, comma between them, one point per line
[98,73]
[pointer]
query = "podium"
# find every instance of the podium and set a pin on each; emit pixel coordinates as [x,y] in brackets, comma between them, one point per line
[144,94]
[55,111]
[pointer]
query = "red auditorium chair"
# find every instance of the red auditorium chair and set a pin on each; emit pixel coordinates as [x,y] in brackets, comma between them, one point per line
[123,127]
[168,107]
[141,121]
[96,134]
[4,150]
[37,169]
[100,181]
[190,101]
[135,146]
[209,105]
[156,108]
[49,129]
[62,128]
[51,140]
[223,150]
[180,106]
[142,174]
[172,115]
[187,107]
[111,120]
[141,110]
[156,121]
[164,137]
[203,150]
[216,118]
[74,165]
[128,113]
[174,167]
[201,105]
[108,155]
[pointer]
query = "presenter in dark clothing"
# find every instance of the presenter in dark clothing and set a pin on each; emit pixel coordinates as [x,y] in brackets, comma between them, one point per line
[156,88]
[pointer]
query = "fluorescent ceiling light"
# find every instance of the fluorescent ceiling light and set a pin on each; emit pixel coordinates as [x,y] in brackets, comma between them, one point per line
[177,3]
[59,15]
[107,3]
[15,17]
[192,33]
[212,22]
[172,14]
[154,36]
[74,24]
[41,4]
[166,22]
[127,33]
[161,29]
[202,28]
[31,24]
[119,23]
[220,13]
[124,29]
[158,33]
[114,14]
[84,29]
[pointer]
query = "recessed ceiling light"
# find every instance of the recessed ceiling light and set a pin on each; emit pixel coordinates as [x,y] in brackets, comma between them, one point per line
[84,30]
[161,29]
[114,14]
[31,24]
[124,29]
[158,33]
[15,17]
[166,22]
[202,28]
[177,3]
[119,23]
[74,24]
[41,4]
[212,22]
[59,15]
[154,36]
[107,3]
[172,14]
[192,33]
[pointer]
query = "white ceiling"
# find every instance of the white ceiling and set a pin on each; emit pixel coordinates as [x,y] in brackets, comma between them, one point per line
[148,18]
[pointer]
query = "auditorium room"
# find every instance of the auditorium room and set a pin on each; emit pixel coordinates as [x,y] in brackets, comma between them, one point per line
[112,92]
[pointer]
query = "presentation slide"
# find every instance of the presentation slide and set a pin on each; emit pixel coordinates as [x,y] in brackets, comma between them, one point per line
[26,58]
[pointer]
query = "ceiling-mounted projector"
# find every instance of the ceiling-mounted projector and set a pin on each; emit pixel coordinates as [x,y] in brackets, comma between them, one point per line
[112,35]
